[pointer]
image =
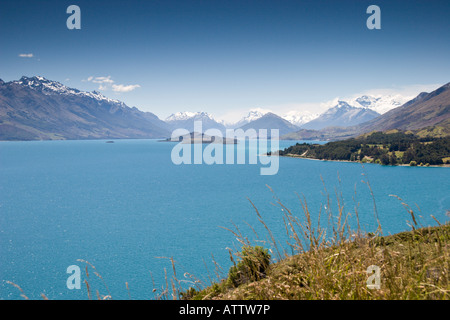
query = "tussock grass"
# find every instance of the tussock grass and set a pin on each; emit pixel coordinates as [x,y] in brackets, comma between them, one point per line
[412,264]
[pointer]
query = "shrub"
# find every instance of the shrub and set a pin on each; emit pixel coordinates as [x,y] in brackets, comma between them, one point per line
[252,266]
[413,163]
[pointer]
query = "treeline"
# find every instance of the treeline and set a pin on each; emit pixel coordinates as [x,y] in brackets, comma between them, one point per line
[379,147]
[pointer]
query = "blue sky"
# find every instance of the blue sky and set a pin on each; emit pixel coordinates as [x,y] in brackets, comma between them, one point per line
[226,57]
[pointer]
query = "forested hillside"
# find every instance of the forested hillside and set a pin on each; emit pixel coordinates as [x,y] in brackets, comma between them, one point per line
[379,147]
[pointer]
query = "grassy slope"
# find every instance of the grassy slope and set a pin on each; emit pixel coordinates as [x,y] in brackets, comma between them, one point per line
[414,265]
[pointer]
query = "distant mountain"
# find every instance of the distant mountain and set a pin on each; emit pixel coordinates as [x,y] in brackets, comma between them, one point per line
[179,116]
[341,115]
[427,109]
[299,118]
[253,114]
[271,121]
[185,120]
[379,104]
[428,114]
[34,108]
[325,134]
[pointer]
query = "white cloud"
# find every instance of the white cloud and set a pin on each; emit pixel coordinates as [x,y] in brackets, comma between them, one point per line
[102,80]
[124,88]
[262,110]
[106,83]
[26,55]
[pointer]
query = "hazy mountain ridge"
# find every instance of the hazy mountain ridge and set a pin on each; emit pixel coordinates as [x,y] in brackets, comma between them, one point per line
[271,121]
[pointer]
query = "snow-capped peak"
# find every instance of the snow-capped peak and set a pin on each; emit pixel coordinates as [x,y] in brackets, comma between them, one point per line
[185,115]
[299,118]
[343,104]
[381,104]
[254,114]
[54,87]
[180,116]
[378,103]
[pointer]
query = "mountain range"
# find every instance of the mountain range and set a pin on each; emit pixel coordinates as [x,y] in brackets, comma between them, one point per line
[425,110]
[426,114]
[255,119]
[34,108]
[186,120]
[341,115]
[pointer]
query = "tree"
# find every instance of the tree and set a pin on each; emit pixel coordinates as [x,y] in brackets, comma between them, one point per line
[393,160]
[384,159]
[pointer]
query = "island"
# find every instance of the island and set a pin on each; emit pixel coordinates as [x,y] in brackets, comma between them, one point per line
[197,137]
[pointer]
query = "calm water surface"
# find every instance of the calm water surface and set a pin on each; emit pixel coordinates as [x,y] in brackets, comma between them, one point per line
[124,206]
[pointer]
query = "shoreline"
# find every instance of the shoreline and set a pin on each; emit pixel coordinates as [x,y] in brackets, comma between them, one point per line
[290,155]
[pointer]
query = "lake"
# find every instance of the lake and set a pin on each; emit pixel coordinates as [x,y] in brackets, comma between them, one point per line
[126,208]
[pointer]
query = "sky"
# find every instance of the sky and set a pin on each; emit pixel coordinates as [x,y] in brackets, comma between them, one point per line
[228,56]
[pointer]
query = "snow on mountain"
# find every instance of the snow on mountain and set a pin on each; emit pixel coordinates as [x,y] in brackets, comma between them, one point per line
[342,114]
[187,119]
[39,109]
[252,115]
[271,121]
[378,103]
[49,87]
[187,115]
[180,116]
[299,118]
[381,104]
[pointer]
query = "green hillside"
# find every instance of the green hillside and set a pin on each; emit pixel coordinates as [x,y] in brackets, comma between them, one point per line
[387,148]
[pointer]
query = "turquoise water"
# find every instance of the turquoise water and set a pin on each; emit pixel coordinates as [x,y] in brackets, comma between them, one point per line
[123,206]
